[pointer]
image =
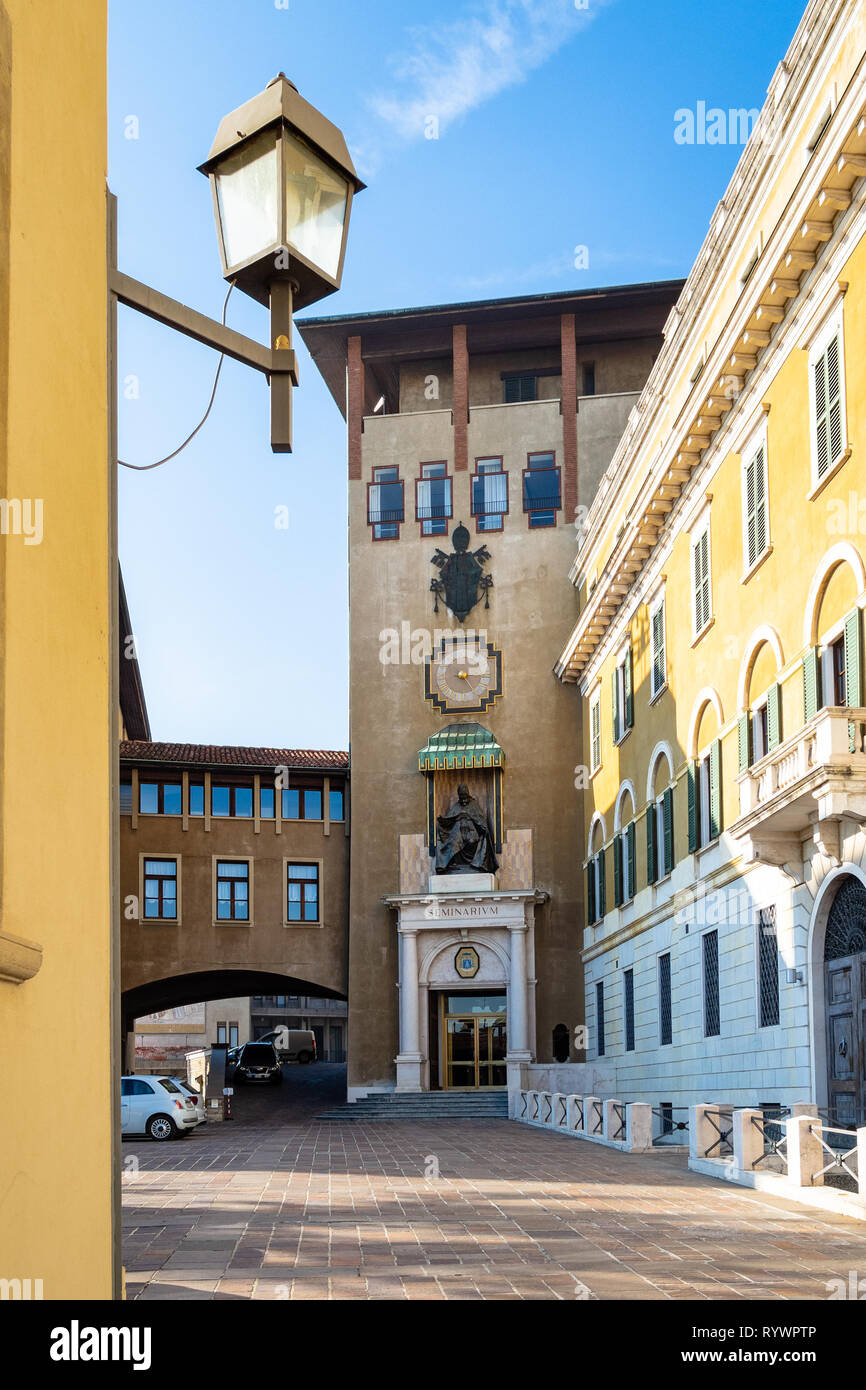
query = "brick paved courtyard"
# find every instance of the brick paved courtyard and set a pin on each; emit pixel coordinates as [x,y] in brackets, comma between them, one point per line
[276,1205]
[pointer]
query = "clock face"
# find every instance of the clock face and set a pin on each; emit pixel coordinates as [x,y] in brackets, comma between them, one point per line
[463,675]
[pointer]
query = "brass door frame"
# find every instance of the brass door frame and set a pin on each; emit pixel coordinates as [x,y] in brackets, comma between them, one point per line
[444,1059]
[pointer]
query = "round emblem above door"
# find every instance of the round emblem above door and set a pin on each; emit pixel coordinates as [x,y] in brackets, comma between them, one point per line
[467,962]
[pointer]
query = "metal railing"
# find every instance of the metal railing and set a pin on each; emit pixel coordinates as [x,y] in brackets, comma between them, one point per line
[577,1109]
[841,1155]
[669,1125]
[595,1119]
[721,1119]
[775,1138]
[618,1134]
[561,1117]
[549,1103]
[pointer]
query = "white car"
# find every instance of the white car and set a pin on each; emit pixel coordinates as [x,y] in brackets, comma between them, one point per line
[156,1105]
[198,1098]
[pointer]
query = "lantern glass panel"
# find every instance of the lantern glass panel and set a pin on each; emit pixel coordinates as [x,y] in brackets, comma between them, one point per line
[247,184]
[316,196]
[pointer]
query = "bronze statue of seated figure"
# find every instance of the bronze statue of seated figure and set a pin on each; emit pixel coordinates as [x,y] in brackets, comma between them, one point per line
[464,841]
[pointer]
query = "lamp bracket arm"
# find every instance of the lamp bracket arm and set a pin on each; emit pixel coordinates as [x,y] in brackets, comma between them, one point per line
[173,314]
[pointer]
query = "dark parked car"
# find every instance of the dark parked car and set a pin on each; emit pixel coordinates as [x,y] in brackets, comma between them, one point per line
[258,1061]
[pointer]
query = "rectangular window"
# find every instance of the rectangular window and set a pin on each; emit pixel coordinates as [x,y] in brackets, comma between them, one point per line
[302,803]
[834,685]
[335,804]
[760,733]
[629,1011]
[226,799]
[541,492]
[233,1035]
[665,1011]
[233,891]
[221,1034]
[520,386]
[623,703]
[756,536]
[704,819]
[489,494]
[267,803]
[433,499]
[658,669]
[196,798]
[385,504]
[302,893]
[710,948]
[768,968]
[827,407]
[588,379]
[160,889]
[125,798]
[595,734]
[701,586]
[160,798]
[599,1016]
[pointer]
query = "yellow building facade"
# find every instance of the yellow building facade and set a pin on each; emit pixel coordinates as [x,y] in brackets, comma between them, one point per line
[721,581]
[58,600]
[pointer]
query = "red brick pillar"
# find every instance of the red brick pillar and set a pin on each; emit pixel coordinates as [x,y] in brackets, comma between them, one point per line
[355,406]
[460,363]
[568,350]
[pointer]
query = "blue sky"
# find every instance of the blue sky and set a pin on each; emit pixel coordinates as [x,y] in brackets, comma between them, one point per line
[556,130]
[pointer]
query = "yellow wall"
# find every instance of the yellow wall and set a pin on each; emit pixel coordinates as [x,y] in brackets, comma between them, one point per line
[59,710]
[802,531]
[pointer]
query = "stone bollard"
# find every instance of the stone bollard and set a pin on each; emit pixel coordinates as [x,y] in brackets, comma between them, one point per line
[748,1139]
[544,1099]
[590,1114]
[614,1115]
[638,1127]
[806,1157]
[557,1117]
[572,1111]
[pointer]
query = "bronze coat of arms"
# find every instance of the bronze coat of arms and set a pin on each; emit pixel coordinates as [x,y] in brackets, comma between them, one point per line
[461,580]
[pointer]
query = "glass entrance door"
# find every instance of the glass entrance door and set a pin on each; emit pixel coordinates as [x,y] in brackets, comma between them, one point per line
[474,1041]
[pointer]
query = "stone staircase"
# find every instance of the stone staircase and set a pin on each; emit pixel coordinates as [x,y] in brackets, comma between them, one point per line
[424,1105]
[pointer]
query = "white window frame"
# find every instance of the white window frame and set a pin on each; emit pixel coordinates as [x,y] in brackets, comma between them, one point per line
[835,325]
[759,721]
[656,607]
[702,530]
[756,444]
[594,730]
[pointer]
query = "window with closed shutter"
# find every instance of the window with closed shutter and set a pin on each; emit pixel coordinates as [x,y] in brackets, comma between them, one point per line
[755,507]
[827,388]
[701,580]
[657,633]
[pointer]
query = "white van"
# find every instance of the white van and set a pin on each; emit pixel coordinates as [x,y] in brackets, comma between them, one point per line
[292,1044]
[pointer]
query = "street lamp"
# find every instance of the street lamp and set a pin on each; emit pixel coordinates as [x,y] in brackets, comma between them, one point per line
[282,182]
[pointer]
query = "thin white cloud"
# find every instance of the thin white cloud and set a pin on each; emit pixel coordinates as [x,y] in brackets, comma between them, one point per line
[451,69]
[556,268]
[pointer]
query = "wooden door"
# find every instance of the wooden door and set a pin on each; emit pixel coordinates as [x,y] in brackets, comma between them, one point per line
[845,995]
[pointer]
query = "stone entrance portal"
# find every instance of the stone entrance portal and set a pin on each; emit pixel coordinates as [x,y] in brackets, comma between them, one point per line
[463,937]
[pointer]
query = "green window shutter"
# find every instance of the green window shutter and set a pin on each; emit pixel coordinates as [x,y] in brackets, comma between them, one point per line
[617,870]
[751,538]
[744,727]
[774,716]
[834,399]
[693,806]
[615,704]
[668,818]
[629,699]
[811,684]
[715,788]
[852,660]
[822,442]
[630,837]
[760,502]
[602,885]
[651,874]
[590,891]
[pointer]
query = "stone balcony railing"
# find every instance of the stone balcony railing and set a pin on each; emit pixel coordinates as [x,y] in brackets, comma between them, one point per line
[803,786]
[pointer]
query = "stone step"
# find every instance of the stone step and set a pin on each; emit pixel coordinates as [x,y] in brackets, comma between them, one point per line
[431,1105]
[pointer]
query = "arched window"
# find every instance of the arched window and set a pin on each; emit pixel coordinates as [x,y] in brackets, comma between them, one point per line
[596,906]
[624,847]
[760,698]
[660,815]
[705,771]
[846,924]
[832,666]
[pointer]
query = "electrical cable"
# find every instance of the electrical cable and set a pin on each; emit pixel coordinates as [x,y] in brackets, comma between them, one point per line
[144,467]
